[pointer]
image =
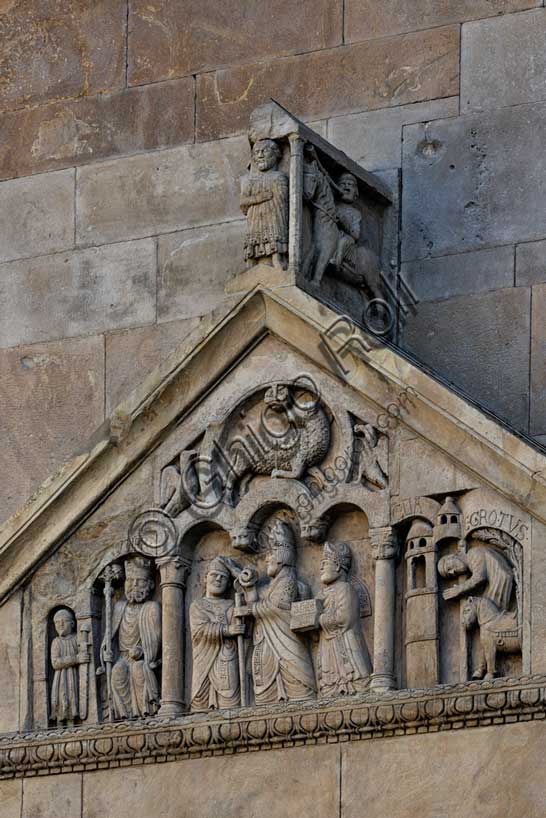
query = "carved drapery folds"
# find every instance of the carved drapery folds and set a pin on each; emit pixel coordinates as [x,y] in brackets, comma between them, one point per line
[463,597]
[312,209]
[69,657]
[277,571]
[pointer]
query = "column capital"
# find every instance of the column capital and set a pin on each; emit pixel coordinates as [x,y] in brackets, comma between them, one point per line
[384,543]
[173,570]
[295,139]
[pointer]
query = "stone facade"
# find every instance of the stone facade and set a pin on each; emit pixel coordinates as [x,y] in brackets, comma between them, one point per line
[406,527]
[121,149]
[97,153]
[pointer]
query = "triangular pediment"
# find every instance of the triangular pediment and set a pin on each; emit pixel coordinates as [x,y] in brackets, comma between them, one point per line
[278,450]
[435,422]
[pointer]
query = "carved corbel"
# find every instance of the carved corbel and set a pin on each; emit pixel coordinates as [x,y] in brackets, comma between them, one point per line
[244,539]
[315,532]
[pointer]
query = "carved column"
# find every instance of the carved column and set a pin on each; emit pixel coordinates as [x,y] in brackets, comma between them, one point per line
[173,572]
[296,202]
[384,549]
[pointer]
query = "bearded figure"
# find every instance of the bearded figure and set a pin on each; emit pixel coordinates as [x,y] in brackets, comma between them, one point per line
[136,632]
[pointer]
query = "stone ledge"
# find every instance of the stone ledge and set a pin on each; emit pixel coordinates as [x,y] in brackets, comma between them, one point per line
[153,740]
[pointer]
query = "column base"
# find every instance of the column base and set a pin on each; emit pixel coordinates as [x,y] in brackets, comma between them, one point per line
[382,682]
[171,710]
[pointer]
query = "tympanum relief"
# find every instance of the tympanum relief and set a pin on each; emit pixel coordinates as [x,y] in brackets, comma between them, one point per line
[277,568]
[463,596]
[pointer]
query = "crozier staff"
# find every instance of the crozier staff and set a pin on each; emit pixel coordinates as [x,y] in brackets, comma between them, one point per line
[281,662]
[136,628]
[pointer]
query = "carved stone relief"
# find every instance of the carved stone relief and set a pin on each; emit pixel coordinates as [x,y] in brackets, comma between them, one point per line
[131,647]
[236,593]
[313,210]
[264,201]
[280,573]
[489,572]
[70,663]
[281,662]
[463,599]
[218,661]
[287,433]
[344,662]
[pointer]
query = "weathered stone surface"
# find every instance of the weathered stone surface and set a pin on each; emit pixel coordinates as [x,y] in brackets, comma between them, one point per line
[36,215]
[161,192]
[163,45]
[424,471]
[79,292]
[473,181]
[432,279]
[493,763]
[52,399]
[10,798]
[379,74]
[10,677]
[503,62]
[536,584]
[492,329]
[374,138]
[366,19]
[309,782]
[530,263]
[133,354]
[194,265]
[76,132]
[68,50]
[538,357]
[53,798]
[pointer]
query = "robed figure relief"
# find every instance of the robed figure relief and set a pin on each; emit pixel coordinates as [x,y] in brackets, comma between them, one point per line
[214,631]
[349,222]
[65,661]
[281,661]
[136,633]
[487,594]
[344,665]
[264,201]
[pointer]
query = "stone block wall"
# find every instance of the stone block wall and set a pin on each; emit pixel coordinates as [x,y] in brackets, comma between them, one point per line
[121,143]
[383,778]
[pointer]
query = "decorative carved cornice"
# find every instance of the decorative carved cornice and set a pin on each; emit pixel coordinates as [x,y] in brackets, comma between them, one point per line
[370,716]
